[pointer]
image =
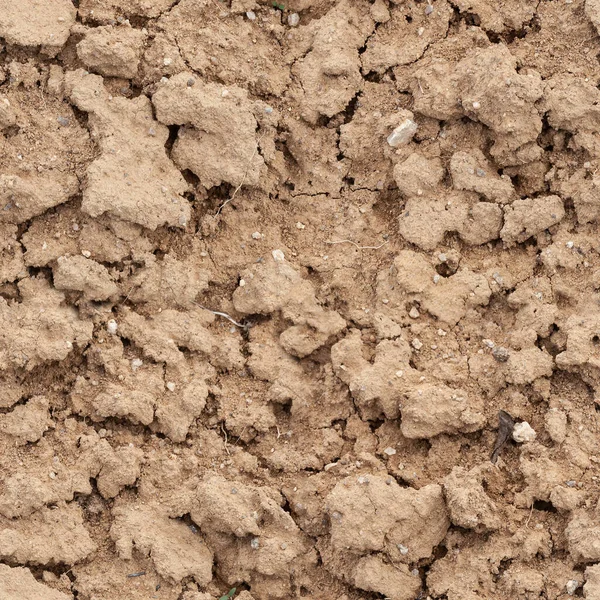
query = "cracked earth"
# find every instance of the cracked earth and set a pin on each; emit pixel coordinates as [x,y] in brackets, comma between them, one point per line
[278,281]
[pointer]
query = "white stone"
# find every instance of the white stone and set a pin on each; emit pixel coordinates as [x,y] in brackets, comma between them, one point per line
[111,327]
[170,386]
[293,19]
[417,344]
[523,432]
[278,256]
[572,586]
[251,15]
[414,313]
[136,363]
[256,235]
[403,133]
[390,451]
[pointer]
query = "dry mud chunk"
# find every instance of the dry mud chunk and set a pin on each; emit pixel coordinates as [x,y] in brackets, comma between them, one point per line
[19,584]
[317,402]
[316,151]
[470,569]
[220,142]
[373,575]
[175,550]
[468,504]
[585,192]
[24,197]
[163,335]
[372,513]
[141,395]
[363,139]
[592,11]
[133,178]
[252,537]
[426,220]
[11,254]
[29,487]
[527,217]
[471,171]
[27,422]
[583,537]
[117,468]
[106,11]
[44,23]
[47,329]
[112,52]
[329,73]
[572,104]
[582,331]
[497,17]
[211,44]
[84,275]
[377,387]
[429,410]
[449,298]
[475,87]
[274,285]
[49,536]
[418,173]
[405,37]
[591,589]
[168,283]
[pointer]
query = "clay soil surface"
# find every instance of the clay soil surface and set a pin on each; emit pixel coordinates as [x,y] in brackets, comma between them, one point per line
[299,298]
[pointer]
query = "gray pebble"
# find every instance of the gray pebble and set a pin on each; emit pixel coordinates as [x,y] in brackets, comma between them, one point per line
[500,353]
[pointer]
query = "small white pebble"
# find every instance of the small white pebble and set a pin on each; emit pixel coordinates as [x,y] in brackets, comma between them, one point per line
[403,549]
[399,373]
[112,327]
[293,19]
[224,93]
[167,61]
[256,235]
[403,133]
[442,258]
[300,225]
[86,253]
[171,386]
[242,282]
[385,300]
[52,475]
[488,343]
[523,432]
[441,332]
[572,586]
[136,363]
[417,344]
[254,543]
[414,313]
[278,256]
[569,244]
[390,451]
[476,105]
[436,278]
[251,15]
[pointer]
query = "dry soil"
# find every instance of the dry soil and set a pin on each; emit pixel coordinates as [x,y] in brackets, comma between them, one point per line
[277,279]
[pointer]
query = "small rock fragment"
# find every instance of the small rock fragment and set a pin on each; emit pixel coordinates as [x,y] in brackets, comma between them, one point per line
[403,134]
[500,353]
[523,432]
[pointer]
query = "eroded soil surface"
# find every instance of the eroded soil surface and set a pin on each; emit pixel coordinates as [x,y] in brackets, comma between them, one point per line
[276,280]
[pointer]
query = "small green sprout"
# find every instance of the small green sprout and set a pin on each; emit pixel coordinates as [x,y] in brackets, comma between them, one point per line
[228,595]
[279,5]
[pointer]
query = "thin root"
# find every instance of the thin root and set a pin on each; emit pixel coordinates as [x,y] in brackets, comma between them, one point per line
[355,244]
[222,314]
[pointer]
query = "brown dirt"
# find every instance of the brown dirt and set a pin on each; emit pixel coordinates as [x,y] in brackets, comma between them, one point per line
[273,292]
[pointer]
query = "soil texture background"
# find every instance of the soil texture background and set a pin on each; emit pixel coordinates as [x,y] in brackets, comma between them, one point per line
[276,282]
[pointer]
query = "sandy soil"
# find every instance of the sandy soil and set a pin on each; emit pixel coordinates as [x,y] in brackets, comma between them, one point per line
[301,299]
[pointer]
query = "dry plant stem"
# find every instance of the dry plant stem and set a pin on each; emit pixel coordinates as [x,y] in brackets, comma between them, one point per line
[355,244]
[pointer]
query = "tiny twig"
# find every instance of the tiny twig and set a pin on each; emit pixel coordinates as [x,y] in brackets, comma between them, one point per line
[226,439]
[529,519]
[139,574]
[222,314]
[355,244]
[278,432]
[239,187]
